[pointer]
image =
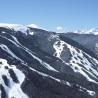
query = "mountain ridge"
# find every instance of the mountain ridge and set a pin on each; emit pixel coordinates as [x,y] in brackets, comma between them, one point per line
[52,66]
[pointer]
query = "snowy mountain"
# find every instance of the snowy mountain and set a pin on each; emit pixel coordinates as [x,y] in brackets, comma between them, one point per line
[90,31]
[35,63]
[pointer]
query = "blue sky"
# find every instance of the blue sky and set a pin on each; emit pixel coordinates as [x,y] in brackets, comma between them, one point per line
[49,14]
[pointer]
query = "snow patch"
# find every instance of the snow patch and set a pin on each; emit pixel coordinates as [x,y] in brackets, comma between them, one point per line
[58,46]
[33,26]
[14,90]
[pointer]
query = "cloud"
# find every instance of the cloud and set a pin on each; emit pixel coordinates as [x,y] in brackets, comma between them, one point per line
[60,29]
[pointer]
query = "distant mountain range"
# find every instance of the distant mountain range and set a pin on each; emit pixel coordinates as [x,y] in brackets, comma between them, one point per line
[91,31]
[37,63]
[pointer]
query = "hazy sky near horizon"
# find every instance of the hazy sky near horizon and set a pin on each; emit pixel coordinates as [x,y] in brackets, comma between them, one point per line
[51,14]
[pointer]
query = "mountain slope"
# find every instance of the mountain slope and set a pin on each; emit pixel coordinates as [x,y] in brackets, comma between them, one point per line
[36,63]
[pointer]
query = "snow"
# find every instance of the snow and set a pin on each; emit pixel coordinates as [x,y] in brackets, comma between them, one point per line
[16,27]
[77,59]
[86,65]
[43,74]
[93,31]
[31,33]
[92,93]
[10,41]
[16,42]
[15,39]
[42,62]
[25,29]
[58,46]
[33,26]
[3,32]
[48,76]
[5,48]
[79,63]
[36,26]
[35,57]
[14,89]
[53,36]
